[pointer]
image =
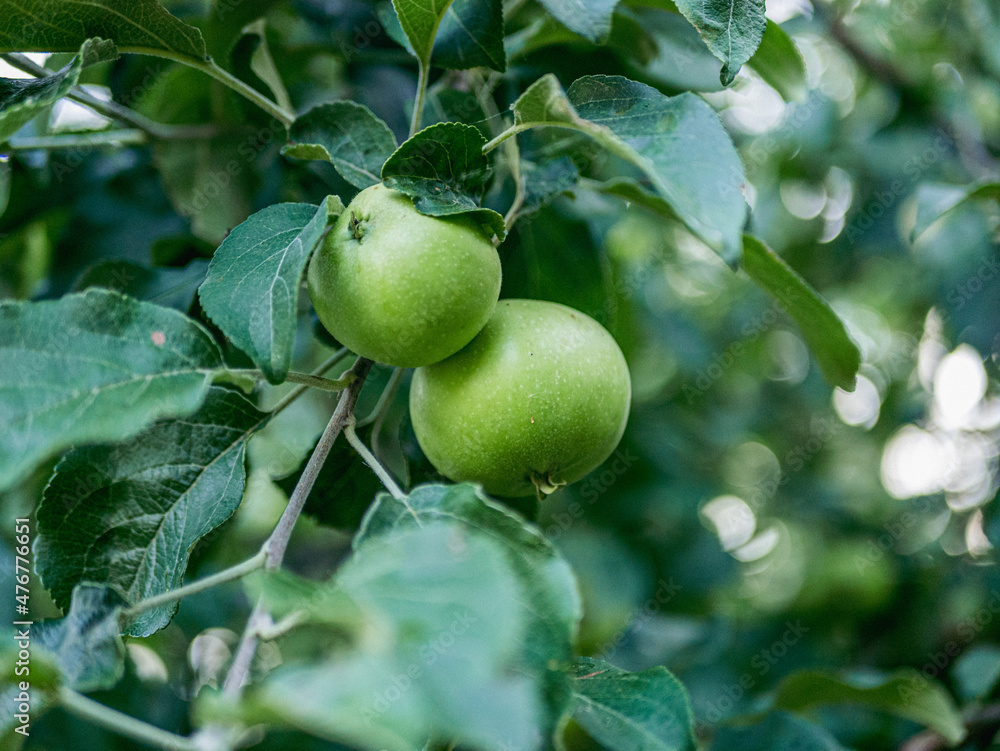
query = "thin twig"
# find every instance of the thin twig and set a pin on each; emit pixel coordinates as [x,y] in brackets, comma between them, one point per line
[376,466]
[121,723]
[113,110]
[342,415]
[514,163]
[94,140]
[282,627]
[295,393]
[984,718]
[277,543]
[222,577]
[387,394]
[306,379]
[239,668]
[512,153]
[418,103]
[225,77]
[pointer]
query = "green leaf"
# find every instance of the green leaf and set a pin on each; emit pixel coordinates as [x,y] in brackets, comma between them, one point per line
[93,367]
[85,644]
[678,142]
[252,59]
[451,105]
[444,170]
[732,29]
[550,594]
[591,19]
[904,693]
[446,624]
[212,182]
[636,194]
[227,22]
[679,59]
[934,200]
[779,731]
[166,286]
[347,135]
[471,35]
[63,25]
[546,180]
[23,99]
[838,356]
[779,62]
[252,288]
[647,711]
[545,103]
[390,22]
[127,516]
[420,20]
[543,32]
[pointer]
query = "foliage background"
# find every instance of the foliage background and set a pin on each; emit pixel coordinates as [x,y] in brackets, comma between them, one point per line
[751,524]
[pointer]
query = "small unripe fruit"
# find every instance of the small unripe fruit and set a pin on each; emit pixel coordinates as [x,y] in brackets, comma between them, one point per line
[399,287]
[538,399]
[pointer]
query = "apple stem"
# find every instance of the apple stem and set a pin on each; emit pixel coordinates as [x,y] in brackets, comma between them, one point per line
[545,485]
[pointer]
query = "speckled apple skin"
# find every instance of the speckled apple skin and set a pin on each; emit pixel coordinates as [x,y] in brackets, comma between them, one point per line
[542,388]
[412,290]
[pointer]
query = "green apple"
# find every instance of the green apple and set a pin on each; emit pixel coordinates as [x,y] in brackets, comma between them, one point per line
[538,399]
[402,288]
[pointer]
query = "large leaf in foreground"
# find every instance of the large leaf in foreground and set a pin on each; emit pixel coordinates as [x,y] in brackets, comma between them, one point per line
[63,25]
[21,99]
[838,356]
[905,693]
[444,625]
[677,142]
[647,711]
[252,288]
[445,172]
[550,594]
[346,134]
[93,367]
[128,515]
